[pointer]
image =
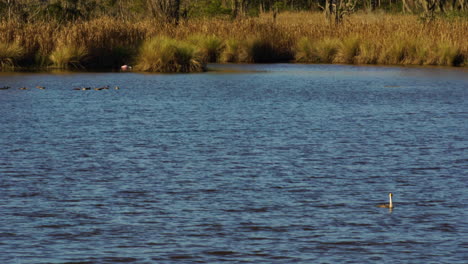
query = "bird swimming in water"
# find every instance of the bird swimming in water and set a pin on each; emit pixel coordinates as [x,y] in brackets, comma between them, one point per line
[125,68]
[5,88]
[390,202]
[23,88]
[102,88]
[40,87]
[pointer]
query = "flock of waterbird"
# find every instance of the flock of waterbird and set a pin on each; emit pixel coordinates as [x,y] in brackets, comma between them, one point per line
[107,87]
[390,195]
[97,88]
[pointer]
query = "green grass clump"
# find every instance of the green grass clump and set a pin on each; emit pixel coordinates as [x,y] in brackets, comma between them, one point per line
[10,53]
[304,51]
[348,50]
[209,47]
[326,50]
[163,54]
[406,50]
[65,57]
[394,52]
[232,51]
[368,53]
[448,54]
[320,51]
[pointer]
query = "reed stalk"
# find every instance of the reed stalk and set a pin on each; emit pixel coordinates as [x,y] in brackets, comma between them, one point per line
[293,36]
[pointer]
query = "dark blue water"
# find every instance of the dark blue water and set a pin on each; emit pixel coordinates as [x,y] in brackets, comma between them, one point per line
[256,164]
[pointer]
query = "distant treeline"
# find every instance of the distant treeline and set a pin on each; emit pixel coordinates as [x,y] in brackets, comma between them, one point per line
[174,10]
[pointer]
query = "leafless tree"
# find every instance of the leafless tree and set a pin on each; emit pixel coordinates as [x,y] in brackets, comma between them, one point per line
[167,10]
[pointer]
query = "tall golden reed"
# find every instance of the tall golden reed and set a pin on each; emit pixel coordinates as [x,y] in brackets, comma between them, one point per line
[302,36]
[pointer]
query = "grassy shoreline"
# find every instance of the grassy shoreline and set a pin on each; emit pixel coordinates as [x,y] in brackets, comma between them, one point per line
[304,37]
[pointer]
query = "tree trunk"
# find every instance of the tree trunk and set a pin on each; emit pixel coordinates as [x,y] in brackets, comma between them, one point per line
[167,10]
[235,9]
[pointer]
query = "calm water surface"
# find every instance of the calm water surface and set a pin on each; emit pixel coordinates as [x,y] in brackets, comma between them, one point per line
[256,164]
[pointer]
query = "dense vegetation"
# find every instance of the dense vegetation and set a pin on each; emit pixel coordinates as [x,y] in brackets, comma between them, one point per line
[182,35]
[66,10]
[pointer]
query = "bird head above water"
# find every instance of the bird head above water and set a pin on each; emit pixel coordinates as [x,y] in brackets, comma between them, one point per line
[390,202]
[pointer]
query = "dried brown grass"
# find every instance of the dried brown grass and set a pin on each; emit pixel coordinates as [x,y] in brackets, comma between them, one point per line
[361,38]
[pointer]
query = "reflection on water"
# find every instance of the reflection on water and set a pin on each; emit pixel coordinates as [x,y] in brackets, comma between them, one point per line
[246,164]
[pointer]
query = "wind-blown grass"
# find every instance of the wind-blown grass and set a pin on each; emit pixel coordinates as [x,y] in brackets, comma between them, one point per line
[348,50]
[448,54]
[303,37]
[10,53]
[163,54]
[232,51]
[320,51]
[65,57]
[208,47]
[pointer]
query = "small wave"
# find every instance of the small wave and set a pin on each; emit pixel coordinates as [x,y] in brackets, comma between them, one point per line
[258,210]
[25,195]
[355,243]
[76,235]
[258,228]
[79,262]
[119,259]
[132,193]
[7,234]
[220,253]
[132,213]
[17,150]
[444,228]
[181,257]
[426,168]
[53,226]
[259,254]
[209,190]
[37,215]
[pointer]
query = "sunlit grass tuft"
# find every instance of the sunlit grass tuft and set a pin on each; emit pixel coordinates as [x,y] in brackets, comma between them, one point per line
[368,53]
[448,54]
[209,47]
[348,50]
[10,53]
[319,51]
[326,49]
[304,51]
[65,57]
[232,51]
[163,54]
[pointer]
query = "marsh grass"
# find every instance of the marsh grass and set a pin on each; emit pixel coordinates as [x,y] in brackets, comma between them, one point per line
[368,53]
[448,54]
[304,51]
[326,50]
[348,50]
[10,53]
[68,56]
[232,51]
[209,47]
[319,51]
[163,54]
[301,36]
